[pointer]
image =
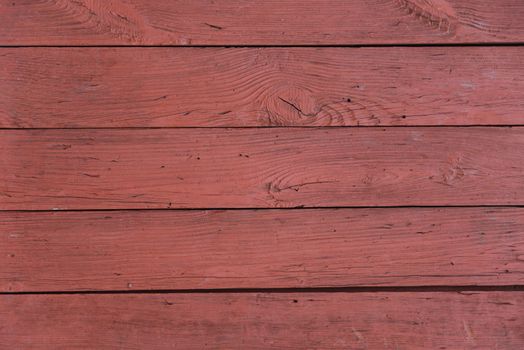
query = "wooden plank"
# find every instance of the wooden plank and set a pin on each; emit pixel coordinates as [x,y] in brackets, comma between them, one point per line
[258,168]
[472,320]
[165,87]
[170,250]
[243,22]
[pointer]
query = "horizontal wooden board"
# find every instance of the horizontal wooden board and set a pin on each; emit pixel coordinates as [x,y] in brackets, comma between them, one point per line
[138,250]
[244,22]
[166,87]
[258,168]
[472,320]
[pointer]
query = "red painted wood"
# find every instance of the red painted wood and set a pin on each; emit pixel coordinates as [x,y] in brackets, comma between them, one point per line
[222,168]
[489,320]
[108,87]
[140,250]
[243,22]
[136,250]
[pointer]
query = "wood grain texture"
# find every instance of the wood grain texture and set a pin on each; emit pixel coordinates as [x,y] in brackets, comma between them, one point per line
[258,168]
[244,22]
[139,250]
[178,87]
[264,321]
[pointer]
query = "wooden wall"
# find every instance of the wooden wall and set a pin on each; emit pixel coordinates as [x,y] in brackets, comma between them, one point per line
[261,174]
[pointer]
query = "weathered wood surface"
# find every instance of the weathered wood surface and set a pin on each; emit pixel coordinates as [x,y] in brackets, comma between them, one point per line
[140,250]
[257,168]
[133,87]
[487,320]
[243,22]
[86,125]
